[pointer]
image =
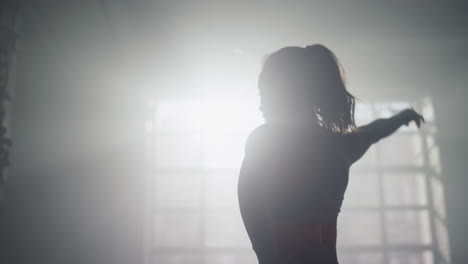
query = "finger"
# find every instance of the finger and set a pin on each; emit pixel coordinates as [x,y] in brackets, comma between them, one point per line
[422,118]
[418,122]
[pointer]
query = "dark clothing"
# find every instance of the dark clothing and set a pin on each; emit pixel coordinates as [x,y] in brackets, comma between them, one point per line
[292,183]
[292,176]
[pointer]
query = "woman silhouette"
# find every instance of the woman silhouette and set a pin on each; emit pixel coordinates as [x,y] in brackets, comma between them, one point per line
[295,169]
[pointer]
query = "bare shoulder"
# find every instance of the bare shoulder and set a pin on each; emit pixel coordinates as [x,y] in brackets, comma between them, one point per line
[260,130]
[257,137]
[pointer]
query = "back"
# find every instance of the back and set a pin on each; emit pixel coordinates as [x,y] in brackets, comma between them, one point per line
[290,174]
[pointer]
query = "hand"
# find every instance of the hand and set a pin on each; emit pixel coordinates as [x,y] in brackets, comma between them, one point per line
[409,115]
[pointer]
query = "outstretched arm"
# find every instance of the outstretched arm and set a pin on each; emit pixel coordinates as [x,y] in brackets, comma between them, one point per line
[360,141]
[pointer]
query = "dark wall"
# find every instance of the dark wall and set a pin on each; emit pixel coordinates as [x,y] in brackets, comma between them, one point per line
[74,194]
[450,95]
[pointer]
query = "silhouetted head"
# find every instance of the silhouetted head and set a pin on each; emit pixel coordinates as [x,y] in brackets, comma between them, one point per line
[306,85]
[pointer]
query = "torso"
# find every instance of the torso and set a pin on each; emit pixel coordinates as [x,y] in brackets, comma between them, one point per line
[308,177]
[302,183]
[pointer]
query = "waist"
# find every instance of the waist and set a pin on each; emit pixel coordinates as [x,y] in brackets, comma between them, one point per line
[291,234]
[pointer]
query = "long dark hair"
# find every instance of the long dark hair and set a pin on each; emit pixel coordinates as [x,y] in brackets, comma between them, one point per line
[300,83]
